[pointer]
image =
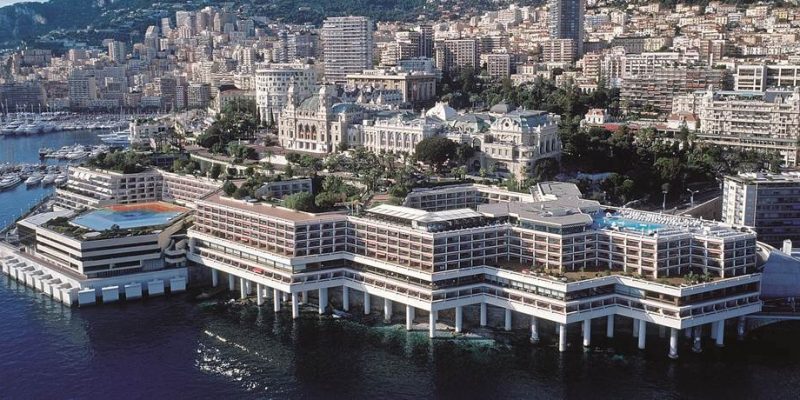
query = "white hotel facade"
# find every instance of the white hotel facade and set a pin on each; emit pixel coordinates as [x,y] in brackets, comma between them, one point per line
[523,255]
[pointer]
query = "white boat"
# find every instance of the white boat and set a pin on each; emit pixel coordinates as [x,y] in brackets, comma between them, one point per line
[49,179]
[9,181]
[117,139]
[61,179]
[34,179]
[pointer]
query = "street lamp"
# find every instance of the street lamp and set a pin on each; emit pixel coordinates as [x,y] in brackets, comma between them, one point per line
[664,201]
[692,193]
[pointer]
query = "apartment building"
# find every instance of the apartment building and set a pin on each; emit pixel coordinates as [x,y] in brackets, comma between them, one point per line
[765,202]
[487,257]
[272,84]
[567,21]
[454,54]
[558,51]
[498,65]
[761,77]
[653,92]
[767,121]
[348,46]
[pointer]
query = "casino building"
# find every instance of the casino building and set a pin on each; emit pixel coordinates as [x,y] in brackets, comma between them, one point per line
[547,257]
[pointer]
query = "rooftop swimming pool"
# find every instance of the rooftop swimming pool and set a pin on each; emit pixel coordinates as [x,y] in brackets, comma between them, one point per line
[613,221]
[129,216]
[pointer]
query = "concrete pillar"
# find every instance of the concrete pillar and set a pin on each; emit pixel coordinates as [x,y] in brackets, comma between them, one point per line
[323,300]
[673,343]
[276,300]
[642,333]
[741,328]
[242,289]
[304,297]
[259,294]
[562,337]
[231,282]
[720,336]
[483,314]
[534,330]
[366,303]
[409,317]
[432,324]
[687,333]
[284,297]
[587,332]
[248,287]
[714,330]
[295,306]
[508,319]
[214,277]
[697,346]
[387,310]
[635,327]
[459,318]
[610,326]
[345,298]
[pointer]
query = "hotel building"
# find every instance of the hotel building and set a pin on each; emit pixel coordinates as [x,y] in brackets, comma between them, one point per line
[524,255]
[107,253]
[272,85]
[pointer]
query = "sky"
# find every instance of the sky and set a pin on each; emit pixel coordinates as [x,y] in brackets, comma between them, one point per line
[8,2]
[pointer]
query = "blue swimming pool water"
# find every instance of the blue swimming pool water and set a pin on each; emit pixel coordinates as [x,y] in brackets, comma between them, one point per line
[603,221]
[103,219]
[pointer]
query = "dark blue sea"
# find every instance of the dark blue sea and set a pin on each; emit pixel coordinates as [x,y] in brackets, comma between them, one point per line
[176,348]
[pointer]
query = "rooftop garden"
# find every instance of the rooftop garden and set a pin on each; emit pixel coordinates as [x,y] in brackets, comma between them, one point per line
[328,193]
[123,161]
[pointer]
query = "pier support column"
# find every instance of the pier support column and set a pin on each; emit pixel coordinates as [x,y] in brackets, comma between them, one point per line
[635,328]
[248,287]
[673,343]
[714,330]
[367,306]
[534,330]
[259,294]
[242,289]
[459,318]
[345,298]
[687,333]
[642,333]
[231,282]
[284,297]
[587,332]
[508,319]
[483,314]
[304,297]
[720,336]
[741,328]
[214,277]
[697,346]
[323,300]
[295,306]
[562,337]
[387,310]
[610,326]
[409,317]
[276,300]
[432,323]
[662,331]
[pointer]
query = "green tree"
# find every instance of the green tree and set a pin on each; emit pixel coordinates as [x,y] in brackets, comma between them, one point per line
[303,201]
[436,150]
[229,188]
[216,171]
